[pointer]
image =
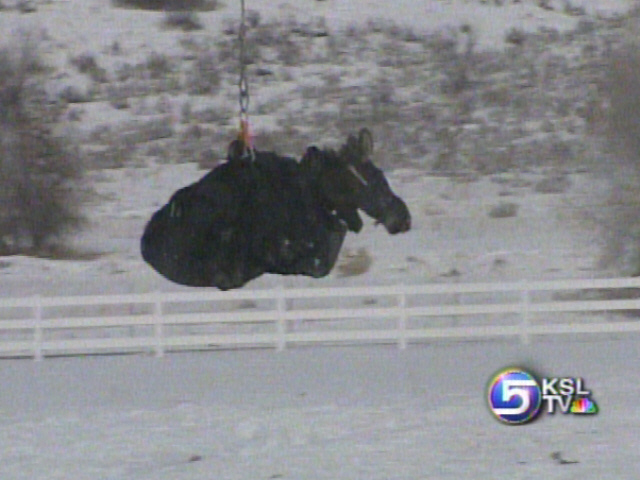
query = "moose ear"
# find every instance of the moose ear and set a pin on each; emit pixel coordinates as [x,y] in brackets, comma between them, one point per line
[310,155]
[235,150]
[365,142]
[312,151]
[312,159]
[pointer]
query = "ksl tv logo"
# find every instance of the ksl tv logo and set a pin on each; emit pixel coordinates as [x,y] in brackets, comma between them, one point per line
[516,397]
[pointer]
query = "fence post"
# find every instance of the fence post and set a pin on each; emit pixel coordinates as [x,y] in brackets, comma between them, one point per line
[281,325]
[158,331]
[524,332]
[402,319]
[37,329]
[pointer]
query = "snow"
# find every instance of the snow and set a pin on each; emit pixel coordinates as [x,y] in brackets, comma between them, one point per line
[343,412]
[351,413]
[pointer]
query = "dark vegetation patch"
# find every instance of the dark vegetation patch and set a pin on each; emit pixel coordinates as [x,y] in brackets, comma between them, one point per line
[169,5]
[187,21]
[40,172]
[504,210]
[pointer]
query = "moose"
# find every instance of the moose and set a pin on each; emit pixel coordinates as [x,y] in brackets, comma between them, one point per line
[270,214]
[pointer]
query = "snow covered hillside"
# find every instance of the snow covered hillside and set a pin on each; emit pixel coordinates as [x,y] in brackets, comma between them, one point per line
[481,114]
[495,140]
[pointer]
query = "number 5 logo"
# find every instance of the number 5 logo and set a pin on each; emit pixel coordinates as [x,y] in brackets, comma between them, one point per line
[514,396]
[512,388]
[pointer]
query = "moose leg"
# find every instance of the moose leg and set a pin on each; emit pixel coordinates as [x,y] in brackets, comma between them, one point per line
[232,263]
[331,252]
[351,217]
[315,255]
[321,259]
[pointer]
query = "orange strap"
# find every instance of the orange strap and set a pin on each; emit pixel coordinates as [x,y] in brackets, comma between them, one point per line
[244,135]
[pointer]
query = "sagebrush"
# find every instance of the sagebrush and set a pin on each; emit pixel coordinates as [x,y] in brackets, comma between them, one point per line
[168,5]
[622,228]
[37,168]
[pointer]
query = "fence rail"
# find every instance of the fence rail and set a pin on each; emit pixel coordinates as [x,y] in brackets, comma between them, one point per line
[277,318]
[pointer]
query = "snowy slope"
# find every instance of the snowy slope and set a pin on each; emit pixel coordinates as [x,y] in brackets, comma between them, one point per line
[451,228]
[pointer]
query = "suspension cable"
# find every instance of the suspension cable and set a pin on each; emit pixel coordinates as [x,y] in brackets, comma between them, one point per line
[243,86]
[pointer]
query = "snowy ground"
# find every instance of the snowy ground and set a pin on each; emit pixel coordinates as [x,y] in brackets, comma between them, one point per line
[349,413]
[352,413]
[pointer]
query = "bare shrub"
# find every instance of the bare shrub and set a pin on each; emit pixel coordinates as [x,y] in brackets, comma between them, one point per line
[125,72]
[574,10]
[186,21]
[230,26]
[156,74]
[193,145]
[36,167]
[159,66]
[86,64]
[504,210]
[228,53]
[115,155]
[447,158]
[545,4]
[287,140]
[204,145]
[498,95]
[168,5]
[216,115]
[337,49]
[455,56]
[26,6]
[209,158]
[117,96]
[621,229]
[147,130]
[253,18]
[186,112]
[74,94]
[488,162]
[515,36]
[267,35]
[624,103]
[75,114]
[204,76]
[553,183]
[289,52]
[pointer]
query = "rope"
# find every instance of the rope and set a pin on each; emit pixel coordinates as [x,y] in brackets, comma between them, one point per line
[243,98]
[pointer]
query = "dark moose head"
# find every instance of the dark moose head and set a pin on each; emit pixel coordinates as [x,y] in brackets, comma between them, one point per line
[348,180]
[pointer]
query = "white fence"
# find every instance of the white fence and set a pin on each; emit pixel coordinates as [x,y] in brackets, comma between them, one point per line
[204,319]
